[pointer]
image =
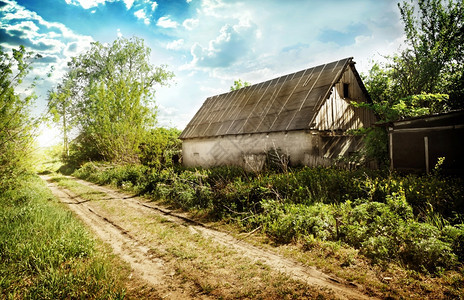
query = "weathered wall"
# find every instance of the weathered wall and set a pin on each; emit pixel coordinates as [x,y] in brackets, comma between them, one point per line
[303,148]
[338,114]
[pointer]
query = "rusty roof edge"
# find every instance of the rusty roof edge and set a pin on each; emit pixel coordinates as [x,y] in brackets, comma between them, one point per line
[284,75]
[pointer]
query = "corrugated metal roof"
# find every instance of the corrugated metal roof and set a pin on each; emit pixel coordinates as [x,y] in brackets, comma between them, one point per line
[289,102]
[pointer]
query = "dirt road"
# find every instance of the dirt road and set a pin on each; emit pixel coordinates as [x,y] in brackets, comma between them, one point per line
[183,259]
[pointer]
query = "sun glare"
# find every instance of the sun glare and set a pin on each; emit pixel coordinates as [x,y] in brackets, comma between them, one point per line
[48,137]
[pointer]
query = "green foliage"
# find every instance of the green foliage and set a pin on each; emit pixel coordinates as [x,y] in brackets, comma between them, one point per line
[45,253]
[238,84]
[290,222]
[432,62]
[418,80]
[16,125]
[381,231]
[109,90]
[376,145]
[161,148]
[435,39]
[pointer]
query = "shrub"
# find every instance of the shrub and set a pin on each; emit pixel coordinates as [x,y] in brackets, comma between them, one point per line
[289,222]
[161,148]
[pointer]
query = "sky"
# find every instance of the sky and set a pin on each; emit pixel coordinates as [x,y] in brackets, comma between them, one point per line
[206,43]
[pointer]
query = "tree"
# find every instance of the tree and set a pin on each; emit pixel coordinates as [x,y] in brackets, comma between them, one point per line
[238,84]
[416,80]
[433,61]
[60,106]
[16,125]
[111,96]
[160,148]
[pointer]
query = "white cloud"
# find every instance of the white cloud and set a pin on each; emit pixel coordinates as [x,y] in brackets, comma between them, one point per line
[166,22]
[54,41]
[189,24]
[211,7]
[27,28]
[154,6]
[119,33]
[128,3]
[142,15]
[232,43]
[175,45]
[86,4]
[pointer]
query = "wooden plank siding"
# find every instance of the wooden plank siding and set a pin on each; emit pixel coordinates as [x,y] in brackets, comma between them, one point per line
[337,113]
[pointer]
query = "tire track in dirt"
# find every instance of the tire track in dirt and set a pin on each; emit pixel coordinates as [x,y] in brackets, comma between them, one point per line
[153,269]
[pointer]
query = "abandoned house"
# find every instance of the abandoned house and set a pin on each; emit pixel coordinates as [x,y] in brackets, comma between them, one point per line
[305,115]
[418,144]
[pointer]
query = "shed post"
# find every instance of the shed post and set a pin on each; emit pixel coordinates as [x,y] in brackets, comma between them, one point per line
[426,145]
[390,136]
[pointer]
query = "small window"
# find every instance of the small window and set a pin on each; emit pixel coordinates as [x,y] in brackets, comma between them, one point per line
[196,154]
[346,90]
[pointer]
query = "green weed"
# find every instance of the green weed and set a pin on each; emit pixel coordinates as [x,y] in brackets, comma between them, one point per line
[45,253]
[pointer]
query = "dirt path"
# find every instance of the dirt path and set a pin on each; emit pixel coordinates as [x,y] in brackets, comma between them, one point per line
[117,220]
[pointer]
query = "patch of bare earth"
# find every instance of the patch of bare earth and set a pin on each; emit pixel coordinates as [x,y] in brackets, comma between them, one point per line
[173,257]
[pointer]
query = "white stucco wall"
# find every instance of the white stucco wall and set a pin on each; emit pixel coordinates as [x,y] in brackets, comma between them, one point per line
[304,148]
[230,150]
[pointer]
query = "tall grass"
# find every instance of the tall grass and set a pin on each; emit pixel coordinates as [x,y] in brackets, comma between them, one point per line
[45,253]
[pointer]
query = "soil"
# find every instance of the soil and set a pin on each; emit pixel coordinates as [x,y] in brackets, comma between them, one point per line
[152,271]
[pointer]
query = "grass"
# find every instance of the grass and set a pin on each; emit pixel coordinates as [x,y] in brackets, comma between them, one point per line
[45,253]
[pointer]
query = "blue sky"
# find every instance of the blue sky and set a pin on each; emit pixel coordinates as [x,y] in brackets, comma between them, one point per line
[207,43]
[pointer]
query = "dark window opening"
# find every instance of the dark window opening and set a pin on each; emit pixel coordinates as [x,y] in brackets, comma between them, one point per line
[346,90]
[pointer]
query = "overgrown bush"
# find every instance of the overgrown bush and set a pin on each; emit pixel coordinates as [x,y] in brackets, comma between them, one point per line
[161,148]
[289,222]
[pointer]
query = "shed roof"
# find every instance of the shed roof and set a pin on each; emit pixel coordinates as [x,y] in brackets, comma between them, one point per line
[451,119]
[286,103]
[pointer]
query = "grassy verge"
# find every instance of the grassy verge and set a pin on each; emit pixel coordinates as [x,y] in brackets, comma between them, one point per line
[45,253]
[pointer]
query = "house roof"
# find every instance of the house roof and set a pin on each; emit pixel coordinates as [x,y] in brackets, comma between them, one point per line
[286,103]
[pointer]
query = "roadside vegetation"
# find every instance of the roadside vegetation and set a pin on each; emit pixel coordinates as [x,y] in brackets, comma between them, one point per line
[46,253]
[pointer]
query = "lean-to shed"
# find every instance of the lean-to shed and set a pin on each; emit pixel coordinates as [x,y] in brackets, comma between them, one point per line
[305,115]
[417,144]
